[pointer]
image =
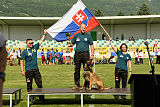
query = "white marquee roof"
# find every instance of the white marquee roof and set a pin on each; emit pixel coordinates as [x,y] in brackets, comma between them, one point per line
[48,21]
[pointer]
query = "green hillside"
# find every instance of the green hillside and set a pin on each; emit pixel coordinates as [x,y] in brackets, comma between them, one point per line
[52,8]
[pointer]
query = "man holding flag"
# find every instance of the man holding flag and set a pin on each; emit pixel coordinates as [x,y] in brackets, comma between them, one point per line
[77,21]
[82,41]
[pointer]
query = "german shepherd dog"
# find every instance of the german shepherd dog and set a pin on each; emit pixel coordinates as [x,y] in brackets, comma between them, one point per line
[94,80]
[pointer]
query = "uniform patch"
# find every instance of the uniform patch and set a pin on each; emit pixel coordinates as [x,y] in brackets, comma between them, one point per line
[78,39]
[85,39]
[28,80]
[34,50]
[29,54]
[121,56]
[117,79]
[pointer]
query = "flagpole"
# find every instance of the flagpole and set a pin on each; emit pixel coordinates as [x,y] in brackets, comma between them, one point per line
[105,31]
[94,64]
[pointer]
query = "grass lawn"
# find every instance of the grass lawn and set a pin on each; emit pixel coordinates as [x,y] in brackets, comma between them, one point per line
[61,76]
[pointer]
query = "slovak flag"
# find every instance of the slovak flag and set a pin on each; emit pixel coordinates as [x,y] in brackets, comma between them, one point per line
[71,21]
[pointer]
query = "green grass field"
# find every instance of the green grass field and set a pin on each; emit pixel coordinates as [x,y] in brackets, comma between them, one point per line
[61,76]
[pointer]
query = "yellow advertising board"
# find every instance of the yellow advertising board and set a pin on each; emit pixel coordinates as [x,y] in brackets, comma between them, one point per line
[110,48]
[101,50]
[65,49]
[145,48]
[133,49]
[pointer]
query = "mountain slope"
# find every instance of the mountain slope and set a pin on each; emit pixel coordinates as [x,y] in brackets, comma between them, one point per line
[52,8]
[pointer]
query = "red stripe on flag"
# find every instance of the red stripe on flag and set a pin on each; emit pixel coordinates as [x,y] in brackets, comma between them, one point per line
[93,22]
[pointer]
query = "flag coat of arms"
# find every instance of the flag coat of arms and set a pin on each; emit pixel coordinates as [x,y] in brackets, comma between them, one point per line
[71,21]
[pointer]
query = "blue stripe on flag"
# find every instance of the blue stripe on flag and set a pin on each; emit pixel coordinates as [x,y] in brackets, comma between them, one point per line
[88,13]
[71,28]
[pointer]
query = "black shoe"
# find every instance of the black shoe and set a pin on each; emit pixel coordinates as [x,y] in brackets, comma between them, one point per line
[75,87]
[123,97]
[42,99]
[116,97]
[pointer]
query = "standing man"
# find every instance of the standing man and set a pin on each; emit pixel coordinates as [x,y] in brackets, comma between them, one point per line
[43,58]
[48,56]
[136,57]
[3,62]
[52,58]
[82,41]
[18,55]
[141,56]
[29,55]
[57,56]
[61,57]
[14,57]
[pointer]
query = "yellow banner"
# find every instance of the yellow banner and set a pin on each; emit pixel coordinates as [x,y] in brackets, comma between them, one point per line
[133,49]
[145,48]
[101,50]
[65,49]
[45,49]
[110,49]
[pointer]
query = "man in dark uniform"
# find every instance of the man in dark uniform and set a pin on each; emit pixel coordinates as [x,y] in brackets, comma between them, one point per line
[3,61]
[82,41]
[29,55]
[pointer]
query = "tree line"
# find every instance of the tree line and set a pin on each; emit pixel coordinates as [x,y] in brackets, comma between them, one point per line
[143,10]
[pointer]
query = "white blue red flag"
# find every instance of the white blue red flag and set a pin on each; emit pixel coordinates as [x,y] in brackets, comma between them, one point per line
[71,21]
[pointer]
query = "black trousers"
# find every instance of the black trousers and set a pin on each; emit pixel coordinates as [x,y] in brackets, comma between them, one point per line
[136,61]
[18,60]
[37,77]
[121,74]
[158,59]
[141,60]
[79,57]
